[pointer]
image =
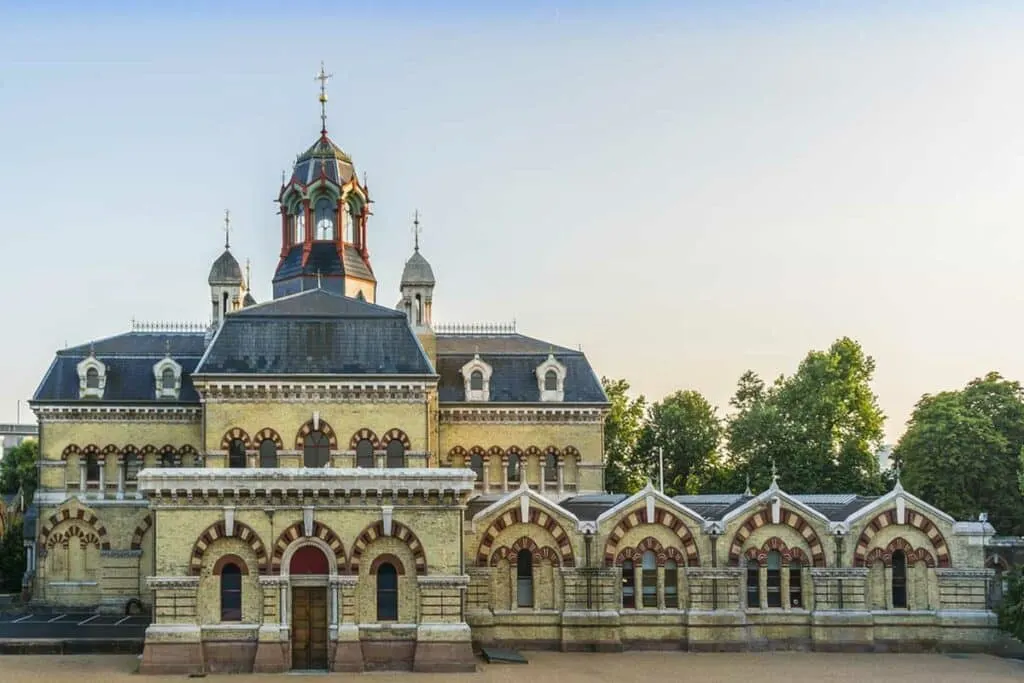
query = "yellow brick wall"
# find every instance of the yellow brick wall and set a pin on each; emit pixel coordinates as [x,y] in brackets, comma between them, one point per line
[208,603]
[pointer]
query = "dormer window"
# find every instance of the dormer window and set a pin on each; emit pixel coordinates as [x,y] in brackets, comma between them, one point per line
[551,379]
[167,378]
[324,220]
[477,376]
[92,378]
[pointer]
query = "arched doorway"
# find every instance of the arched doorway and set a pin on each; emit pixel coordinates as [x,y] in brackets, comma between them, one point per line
[308,570]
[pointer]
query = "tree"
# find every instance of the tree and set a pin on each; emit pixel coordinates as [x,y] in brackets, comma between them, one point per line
[622,428]
[18,469]
[686,429]
[821,426]
[962,452]
[1011,611]
[12,558]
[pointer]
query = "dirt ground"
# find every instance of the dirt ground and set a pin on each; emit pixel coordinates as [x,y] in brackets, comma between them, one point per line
[554,667]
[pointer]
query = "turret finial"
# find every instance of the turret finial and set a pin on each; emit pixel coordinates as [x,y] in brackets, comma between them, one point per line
[416,229]
[747,491]
[318,285]
[775,474]
[248,274]
[227,229]
[323,77]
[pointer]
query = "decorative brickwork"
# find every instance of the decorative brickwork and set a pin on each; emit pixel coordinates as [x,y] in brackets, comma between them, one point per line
[663,517]
[399,531]
[325,429]
[295,532]
[364,434]
[787,517]
[235,433]
[525,543]
[140,531]
[663,555]
[395,434]
[458,452]
[536,516]
[217,531]
[760,555]
[72,449]
[265,434]
[913,555]
[390,559]
[912,518]
[65,515]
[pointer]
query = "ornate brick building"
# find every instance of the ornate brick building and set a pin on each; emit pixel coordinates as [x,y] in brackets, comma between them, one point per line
[319,482]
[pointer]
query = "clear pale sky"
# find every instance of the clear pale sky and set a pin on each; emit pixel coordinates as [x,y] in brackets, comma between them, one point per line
[687,190]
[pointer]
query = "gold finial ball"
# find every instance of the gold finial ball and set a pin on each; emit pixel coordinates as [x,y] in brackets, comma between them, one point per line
[323,98]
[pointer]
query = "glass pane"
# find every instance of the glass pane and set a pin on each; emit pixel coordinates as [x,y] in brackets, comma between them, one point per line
[395,454]
[628,585]
[774,560]
[236,454]
[387,593]
[268,454]
[524,592]
[476,463]
[671,585]
[753,586]
[551,467]
[796,597]
[650,560]
[476,381]
[364,453]
[513,468]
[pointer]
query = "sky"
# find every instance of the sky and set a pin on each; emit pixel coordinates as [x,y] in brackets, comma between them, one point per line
[684,190]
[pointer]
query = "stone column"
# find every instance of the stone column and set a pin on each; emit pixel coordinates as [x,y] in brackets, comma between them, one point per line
[273,649]
[638,585]
[543,471]
[103,476]
[661,588]
[504,473]
[561,474]
[347,652]
[81,474]
[121,465]
[487,473]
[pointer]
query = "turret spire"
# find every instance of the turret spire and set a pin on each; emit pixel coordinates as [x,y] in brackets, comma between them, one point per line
[416,229]
[323,77]
[227,229]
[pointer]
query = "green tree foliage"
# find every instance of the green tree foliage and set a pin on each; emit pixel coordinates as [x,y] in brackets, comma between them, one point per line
[622,426]
[1011,611]
[18,469]
[962,452]
[12,559]
[821,426]
[686,428]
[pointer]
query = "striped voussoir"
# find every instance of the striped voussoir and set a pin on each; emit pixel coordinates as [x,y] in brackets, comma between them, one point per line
[325,429]
[235,434]
[395,435]
[364,434]
[661,554]
[140,531]
[787,554]
[537,517]
[788,518]
[218,531]
[538,553]
[66,515]
[914,519]
[295,532]
[266,434]
[458,452]
[913,555]
[71,449]
[665,518]
[399,531]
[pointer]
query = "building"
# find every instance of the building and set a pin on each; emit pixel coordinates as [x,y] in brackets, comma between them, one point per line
[13,434]
[320,482]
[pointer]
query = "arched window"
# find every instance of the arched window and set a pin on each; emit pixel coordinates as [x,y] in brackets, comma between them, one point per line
[628,585]
[550,381]
[773,585]
[753,585]
[291,228]
[132,465]
[167,460]
[899,579]
[551,467]
[324,219]
[364,453]
[224,304]
[167,380]
[513,468]
[395,454]
[476,381]
[316,449]
[268,453]
[476,463]
[671,584]
[796,589]
[300,224]
[236,454]
[92,468]
[649,578]
[350,225]
[419,310]
[230,592]
[92,378]
[524,578]
[387,592]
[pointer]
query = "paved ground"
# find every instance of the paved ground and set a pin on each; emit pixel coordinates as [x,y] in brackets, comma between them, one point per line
[71,626]
[554,667]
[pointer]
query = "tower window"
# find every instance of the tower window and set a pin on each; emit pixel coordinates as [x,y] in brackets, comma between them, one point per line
[167,379]
[364,453]
[324,219]
[796,596]
[550,381]
[300,225]
[476,381]
[132,465]
[387,592]
[236,454]
[395,454]
[92,378]
[350,225]
[753,585]
[268,453]
[92,468]
[316,450]
[524,579]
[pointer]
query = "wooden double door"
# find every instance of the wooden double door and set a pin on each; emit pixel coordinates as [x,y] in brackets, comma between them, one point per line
[309,628]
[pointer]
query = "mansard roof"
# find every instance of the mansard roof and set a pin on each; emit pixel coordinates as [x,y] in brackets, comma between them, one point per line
[514,359]
[129,360]
[315,333]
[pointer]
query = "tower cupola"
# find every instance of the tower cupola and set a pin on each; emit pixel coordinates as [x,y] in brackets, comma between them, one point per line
[417,285]
[324,209]
[226,282]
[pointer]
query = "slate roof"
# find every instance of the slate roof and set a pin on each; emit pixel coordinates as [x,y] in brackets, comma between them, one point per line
[225,270]
[129,359]
[514,359]
[323,259]
[417,271]
[326,155]
[315,333]
[587,508]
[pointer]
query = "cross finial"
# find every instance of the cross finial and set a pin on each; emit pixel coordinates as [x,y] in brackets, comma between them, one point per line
[323,77]
[775,474]
[747,491]
[248,274]
[227,229]
[896,466]
[318,286]
[416,228]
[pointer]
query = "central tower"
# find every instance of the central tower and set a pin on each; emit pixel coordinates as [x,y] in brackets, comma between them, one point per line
[324,210]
